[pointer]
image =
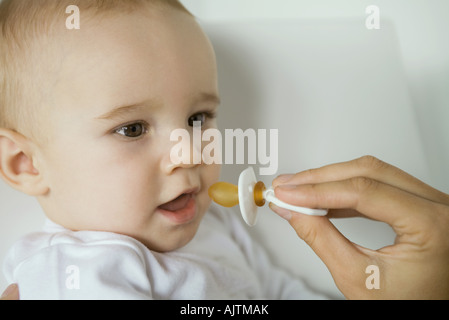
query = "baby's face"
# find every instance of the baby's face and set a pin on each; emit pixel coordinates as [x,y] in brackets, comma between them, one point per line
[123,85]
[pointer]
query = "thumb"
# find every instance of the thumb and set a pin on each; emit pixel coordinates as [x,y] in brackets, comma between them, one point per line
[345,260]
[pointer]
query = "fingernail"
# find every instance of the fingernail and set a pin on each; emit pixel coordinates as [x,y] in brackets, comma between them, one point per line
[285,178]
[288,186]
[283,213]
[10,290]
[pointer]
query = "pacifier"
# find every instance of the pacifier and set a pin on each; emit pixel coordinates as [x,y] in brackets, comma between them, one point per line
[251,194]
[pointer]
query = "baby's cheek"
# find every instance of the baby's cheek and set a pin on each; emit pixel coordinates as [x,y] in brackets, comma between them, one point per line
[211,175]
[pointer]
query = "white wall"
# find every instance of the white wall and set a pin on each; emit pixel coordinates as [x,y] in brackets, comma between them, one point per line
[422,28]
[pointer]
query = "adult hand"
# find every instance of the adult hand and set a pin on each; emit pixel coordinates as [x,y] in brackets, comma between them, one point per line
[416,266]
[11,293]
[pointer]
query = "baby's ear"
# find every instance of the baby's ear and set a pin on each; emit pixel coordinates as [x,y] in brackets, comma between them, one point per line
[16,164]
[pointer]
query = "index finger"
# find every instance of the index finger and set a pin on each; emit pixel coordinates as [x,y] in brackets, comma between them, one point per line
[376,200]
[368,167]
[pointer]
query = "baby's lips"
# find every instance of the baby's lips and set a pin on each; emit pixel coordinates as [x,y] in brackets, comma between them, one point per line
[176,204]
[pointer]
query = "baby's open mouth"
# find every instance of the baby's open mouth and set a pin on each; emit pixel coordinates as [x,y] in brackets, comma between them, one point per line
[178,203]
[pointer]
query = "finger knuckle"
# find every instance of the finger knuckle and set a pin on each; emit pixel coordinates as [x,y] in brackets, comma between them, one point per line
[316,194]
[370,163]
[309,236]
[363,184]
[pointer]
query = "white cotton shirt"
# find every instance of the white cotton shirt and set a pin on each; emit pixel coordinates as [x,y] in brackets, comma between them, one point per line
[221,262]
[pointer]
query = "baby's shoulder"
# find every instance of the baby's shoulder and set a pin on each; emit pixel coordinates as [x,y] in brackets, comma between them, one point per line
[53,241]
[99,260]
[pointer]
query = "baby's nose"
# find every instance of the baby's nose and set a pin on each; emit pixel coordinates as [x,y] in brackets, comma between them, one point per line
[182,151]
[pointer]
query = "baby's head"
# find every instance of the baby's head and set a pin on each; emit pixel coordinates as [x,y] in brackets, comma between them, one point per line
[86,114]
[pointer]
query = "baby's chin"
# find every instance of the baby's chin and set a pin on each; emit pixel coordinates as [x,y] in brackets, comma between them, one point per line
[170,242]
[177,237]
[167,246]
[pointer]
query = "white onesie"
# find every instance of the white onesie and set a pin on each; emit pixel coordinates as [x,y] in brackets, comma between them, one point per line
[221,262]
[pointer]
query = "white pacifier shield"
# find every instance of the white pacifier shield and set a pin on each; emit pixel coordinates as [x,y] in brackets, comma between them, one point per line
[248,208]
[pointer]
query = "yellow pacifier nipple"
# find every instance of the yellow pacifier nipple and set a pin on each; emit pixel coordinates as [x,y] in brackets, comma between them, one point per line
[250,195]
[227,195]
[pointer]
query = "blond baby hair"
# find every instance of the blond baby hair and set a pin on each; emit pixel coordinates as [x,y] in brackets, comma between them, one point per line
[26,28]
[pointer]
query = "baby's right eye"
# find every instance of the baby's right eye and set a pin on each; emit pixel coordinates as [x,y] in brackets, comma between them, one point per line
[133,130]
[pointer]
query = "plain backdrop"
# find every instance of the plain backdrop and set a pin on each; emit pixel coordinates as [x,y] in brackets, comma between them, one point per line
[334,90]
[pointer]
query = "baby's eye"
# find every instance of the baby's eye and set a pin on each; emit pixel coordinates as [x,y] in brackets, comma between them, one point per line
[200,117]
[133,130]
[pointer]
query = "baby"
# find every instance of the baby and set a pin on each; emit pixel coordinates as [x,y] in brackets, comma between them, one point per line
[85,120]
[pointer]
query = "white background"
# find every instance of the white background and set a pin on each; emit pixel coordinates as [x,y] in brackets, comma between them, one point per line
[409,70]
[422,28]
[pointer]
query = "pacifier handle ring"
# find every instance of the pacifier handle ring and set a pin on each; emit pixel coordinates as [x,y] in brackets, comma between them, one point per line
[270,197]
